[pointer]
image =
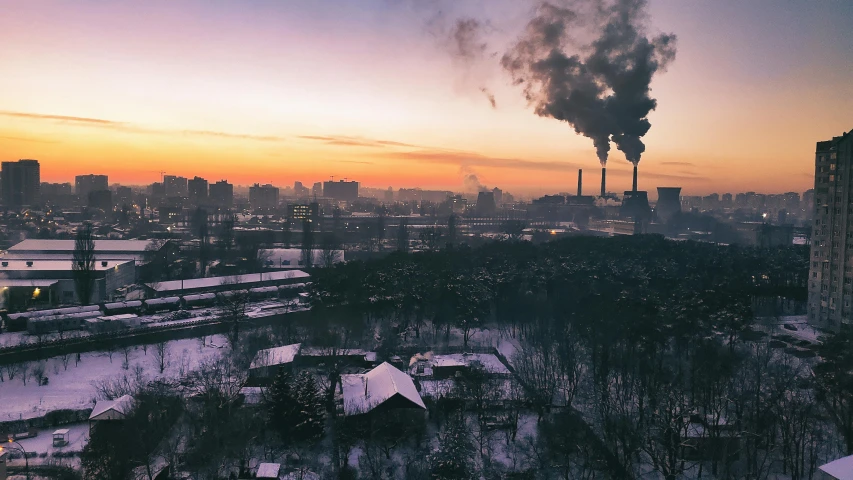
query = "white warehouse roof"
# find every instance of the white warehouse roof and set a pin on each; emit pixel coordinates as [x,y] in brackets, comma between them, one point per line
[234,281]
[47,246]
[276,356]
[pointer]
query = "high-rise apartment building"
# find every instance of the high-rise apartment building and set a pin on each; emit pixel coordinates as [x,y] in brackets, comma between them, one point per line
[175,186]
[341,190]
[197,189]
[21,182]
[221,194]
[263,196]
[830,298]
[84,184]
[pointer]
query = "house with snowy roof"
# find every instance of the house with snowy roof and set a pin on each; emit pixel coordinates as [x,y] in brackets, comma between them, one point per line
[841,469]
[268,362]
[111,410]
[384,387]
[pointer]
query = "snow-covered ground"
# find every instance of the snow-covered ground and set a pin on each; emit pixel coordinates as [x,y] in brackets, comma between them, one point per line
[74,387]
[45,452]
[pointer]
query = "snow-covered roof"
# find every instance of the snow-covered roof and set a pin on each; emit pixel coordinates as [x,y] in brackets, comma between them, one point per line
[121,405]
[24,264]
[841,469]
[276,356]
[68,245]
[364,392]
[234,281]
[489,362]
[268,470]
[5,282]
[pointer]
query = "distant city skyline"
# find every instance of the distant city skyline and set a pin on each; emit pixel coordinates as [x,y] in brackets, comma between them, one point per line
[275,92]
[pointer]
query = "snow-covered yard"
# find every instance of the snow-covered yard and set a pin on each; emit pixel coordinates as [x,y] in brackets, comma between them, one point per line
[74,387]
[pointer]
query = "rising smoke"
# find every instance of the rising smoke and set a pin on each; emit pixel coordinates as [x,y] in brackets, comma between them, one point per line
[600,87]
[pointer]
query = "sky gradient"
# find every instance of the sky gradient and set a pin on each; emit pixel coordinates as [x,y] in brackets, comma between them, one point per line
[272,91]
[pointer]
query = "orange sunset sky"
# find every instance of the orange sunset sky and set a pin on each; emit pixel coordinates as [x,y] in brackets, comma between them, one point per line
[278,91]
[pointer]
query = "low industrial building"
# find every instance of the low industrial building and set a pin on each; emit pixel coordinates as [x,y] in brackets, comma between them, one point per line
[51,282]
[111,410]
[226,283]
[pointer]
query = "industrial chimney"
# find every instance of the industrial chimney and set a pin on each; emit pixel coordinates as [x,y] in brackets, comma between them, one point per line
[603,179]
[580,182]
[635,178]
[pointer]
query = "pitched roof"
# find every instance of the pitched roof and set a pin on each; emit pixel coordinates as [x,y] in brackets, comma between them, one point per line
[121,405]
[268,470]
[364,392]
[276,356]
[841,469]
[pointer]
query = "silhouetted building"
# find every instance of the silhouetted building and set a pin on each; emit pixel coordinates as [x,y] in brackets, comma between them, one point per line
[300,190]
[263,196]
[57,193]
[102,199]
[341,190]
[197,190]
[831,267]
[157,189]
[499,196]
[83,184]
[418,195]
[221,194]
[486,203]
[175,186]
[296,213]
[123,196]
[317,190]
[669,203]
[21,183]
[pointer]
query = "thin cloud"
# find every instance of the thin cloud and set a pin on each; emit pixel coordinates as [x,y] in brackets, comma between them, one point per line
[25,139]
[470,159]
[131,128]
[678,164]
[61,118]
[345,141]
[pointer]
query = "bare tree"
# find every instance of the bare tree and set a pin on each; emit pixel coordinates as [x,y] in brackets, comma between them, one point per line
[161,355]
[331,247]
[83,263]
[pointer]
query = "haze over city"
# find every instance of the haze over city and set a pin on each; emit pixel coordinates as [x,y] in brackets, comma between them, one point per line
[426,240]
[378,91]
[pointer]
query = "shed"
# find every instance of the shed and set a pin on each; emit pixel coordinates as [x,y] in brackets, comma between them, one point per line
[60,437]
[267,363]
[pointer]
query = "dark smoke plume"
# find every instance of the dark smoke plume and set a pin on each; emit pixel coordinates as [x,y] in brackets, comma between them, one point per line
[601,88]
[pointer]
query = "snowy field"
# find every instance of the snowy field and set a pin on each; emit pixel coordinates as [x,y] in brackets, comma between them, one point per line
[74,387]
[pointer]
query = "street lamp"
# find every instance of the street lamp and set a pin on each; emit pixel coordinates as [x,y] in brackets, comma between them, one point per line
[24,452]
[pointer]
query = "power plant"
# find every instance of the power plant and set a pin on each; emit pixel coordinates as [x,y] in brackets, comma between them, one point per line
[669,203]
[603,180]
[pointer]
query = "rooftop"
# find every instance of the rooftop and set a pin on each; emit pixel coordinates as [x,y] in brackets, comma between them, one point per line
[841,469]
[276,356]
[268,470]
[121,405]
[52,265]
[235,280]
[68,245]
[364,392]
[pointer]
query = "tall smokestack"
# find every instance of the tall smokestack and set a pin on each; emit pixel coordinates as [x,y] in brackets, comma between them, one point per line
[603,179]
[580,182]
[635,178]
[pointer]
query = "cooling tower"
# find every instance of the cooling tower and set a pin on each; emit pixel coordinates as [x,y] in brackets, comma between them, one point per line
[669,203]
